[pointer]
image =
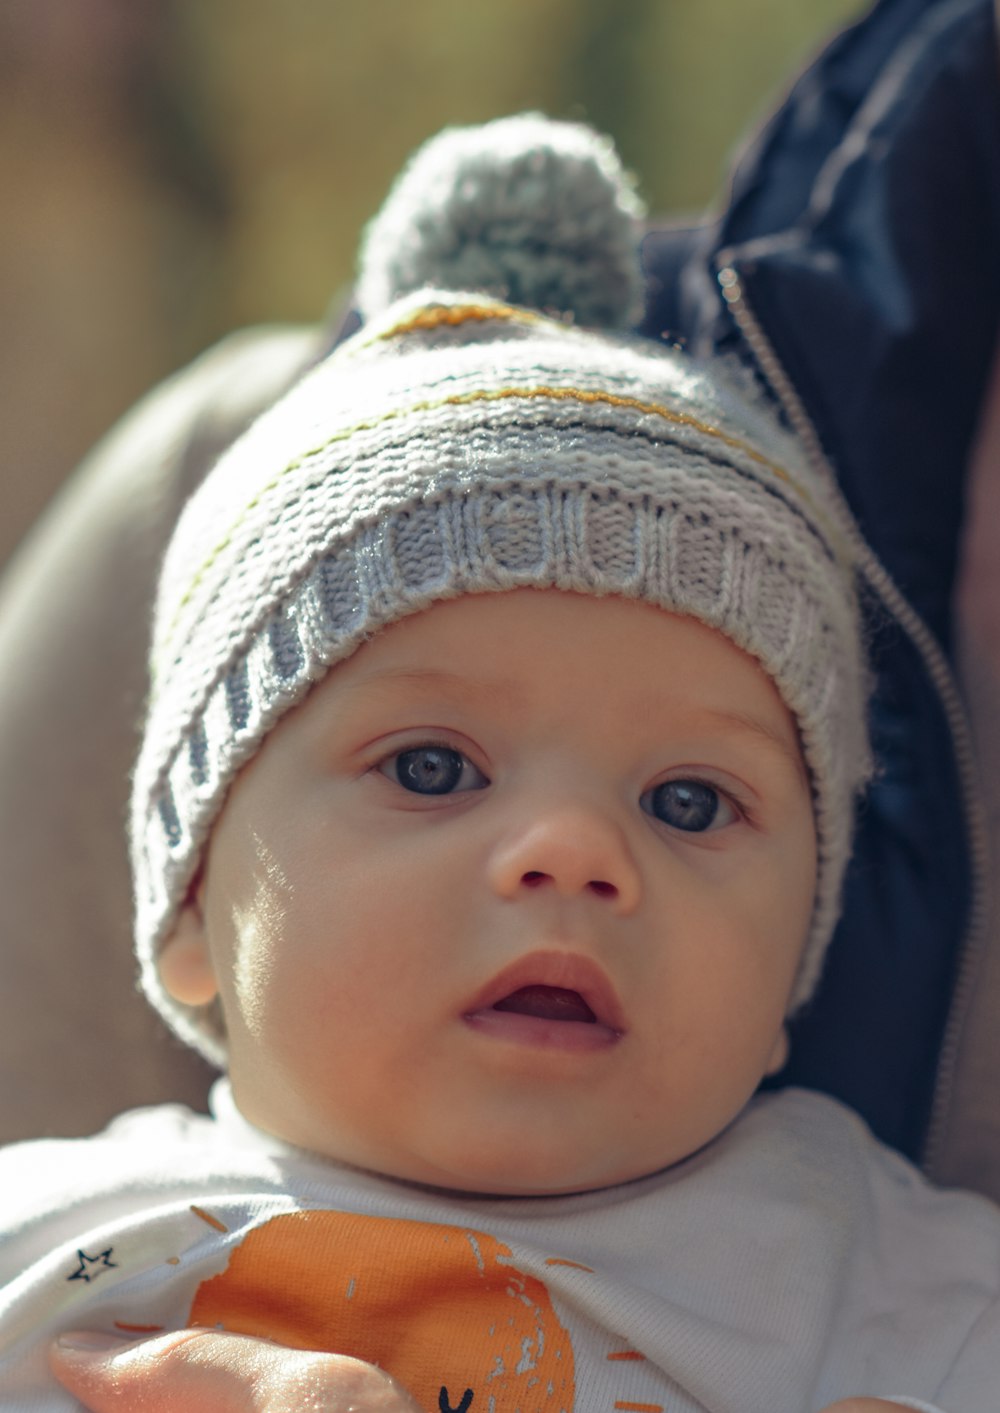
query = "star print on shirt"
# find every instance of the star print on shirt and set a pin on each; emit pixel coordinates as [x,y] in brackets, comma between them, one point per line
[91,1267]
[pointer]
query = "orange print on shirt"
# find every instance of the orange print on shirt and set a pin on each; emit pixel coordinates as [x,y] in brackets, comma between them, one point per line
[441,1308]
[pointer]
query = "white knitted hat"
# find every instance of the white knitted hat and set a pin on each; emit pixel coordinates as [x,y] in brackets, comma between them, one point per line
[463,443]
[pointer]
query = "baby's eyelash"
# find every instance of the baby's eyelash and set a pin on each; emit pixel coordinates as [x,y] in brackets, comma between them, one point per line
[693,805]
[432,768]
[687,804]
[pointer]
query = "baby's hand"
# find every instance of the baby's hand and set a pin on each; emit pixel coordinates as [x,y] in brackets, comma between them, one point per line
[202,1371]
[864,1405]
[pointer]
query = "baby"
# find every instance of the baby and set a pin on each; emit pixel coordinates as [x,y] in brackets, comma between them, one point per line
[506,724]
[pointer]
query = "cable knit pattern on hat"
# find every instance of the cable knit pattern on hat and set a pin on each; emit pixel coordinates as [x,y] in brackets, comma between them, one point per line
[461,444]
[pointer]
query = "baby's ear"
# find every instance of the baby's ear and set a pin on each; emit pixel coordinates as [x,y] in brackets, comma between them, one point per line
[185,962]
[779,1054]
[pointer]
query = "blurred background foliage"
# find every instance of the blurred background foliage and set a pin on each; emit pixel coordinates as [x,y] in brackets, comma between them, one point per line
[173,169]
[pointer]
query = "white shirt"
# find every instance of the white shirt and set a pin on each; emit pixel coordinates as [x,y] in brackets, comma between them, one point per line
[792,1262]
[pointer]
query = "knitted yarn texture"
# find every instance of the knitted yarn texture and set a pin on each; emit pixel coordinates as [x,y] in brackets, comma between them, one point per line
[464,444]
[530,211]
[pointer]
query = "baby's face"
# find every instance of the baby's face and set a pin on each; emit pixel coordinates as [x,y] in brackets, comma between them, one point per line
[514,901]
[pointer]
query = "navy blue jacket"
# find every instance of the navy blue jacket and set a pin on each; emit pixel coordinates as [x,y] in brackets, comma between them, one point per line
[861,252]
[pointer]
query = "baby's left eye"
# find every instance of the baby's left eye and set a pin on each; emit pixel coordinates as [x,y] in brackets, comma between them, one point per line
[433,770]
[690,805]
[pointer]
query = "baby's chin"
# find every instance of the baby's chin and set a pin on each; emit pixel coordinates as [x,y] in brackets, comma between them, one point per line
[531,1159]
[514,1172]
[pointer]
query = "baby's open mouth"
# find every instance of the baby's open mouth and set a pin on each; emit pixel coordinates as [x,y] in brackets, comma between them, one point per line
[550,1001]
[547,1003]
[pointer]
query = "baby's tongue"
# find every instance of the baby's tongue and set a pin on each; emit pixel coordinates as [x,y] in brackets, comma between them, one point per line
[547,1003]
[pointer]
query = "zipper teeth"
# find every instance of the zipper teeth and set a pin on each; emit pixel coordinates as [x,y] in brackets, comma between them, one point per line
[876,575]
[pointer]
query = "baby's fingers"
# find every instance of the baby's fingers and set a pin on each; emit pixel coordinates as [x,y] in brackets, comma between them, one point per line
[203,1371]
[865,1405]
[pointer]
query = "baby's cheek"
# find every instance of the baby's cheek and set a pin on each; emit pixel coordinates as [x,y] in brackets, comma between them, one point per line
[260,933]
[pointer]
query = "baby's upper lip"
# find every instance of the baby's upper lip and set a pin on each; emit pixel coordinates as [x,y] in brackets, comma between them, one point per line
[566,971]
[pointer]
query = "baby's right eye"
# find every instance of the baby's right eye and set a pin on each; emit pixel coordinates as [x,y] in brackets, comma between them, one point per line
[433,770]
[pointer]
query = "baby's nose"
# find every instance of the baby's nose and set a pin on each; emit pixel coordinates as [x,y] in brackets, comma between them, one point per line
[571,850]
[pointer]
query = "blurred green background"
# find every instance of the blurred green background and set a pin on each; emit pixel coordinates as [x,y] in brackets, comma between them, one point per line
[173,169]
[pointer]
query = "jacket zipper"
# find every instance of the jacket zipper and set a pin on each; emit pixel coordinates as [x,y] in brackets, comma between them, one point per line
[880,581]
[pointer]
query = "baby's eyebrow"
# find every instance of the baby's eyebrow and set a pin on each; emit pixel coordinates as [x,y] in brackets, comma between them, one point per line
[747,723]
[434,679]
[471,689]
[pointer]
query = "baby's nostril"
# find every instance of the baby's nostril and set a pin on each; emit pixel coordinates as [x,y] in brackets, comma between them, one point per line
[533,877]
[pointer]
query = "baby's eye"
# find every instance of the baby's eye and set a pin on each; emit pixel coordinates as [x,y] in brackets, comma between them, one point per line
[690,805]
[433,770]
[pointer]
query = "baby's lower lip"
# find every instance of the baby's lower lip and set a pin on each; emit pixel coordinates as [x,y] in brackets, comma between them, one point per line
[540,1032]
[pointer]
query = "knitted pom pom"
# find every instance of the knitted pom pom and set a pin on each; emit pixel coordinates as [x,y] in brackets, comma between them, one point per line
[537,212]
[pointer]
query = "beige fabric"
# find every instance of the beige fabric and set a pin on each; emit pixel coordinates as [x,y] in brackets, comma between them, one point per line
[77,1043]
